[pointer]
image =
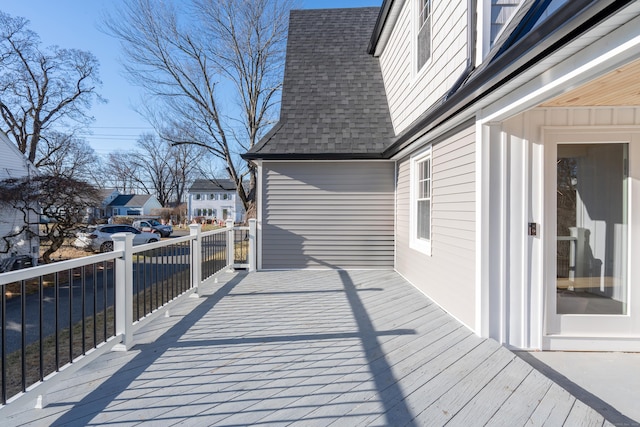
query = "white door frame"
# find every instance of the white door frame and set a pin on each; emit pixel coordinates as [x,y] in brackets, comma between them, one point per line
[591,332]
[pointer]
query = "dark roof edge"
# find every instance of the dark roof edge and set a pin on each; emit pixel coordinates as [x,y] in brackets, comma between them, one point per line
[571,21]
[314,156]
[380,23]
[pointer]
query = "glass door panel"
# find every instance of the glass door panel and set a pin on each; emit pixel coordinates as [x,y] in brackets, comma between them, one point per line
[592,225]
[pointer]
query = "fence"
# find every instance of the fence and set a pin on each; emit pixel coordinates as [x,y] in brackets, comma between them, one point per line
[53,315]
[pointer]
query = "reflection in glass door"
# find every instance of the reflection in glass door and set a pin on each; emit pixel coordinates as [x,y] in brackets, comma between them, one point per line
[592,224]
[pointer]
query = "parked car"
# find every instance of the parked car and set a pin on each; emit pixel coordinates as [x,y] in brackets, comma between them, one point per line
[153,226]
[99,238]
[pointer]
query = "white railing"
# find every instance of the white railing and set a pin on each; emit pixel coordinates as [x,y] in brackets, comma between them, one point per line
[102,297]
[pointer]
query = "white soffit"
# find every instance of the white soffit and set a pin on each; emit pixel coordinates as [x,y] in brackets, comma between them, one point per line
[605,48]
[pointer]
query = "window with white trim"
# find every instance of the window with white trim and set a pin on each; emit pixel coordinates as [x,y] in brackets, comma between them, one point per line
[423,42]
[421,202]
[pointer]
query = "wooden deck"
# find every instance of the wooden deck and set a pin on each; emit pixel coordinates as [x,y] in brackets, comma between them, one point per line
[308,348]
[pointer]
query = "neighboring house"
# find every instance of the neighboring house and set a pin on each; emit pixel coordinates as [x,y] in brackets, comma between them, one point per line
[490,154]
[214,199]
[13,164]
[132,204]
[106,196]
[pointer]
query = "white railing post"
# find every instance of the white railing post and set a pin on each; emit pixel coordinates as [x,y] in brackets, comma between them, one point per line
[124,290]
[252,244]
[196,258]
[230,244]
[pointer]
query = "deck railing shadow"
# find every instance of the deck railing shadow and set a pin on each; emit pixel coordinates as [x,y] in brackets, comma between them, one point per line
[102,396]
[92,303]
[257,369]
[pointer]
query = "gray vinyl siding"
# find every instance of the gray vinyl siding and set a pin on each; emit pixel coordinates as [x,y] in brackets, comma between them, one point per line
[448,275]
[501,11]
[328,215]
[411,92]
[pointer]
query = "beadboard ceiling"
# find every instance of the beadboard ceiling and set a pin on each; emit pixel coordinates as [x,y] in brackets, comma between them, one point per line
[620,87]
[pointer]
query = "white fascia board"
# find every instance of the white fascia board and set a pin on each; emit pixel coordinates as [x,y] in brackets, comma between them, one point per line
[598,58]
[389,25]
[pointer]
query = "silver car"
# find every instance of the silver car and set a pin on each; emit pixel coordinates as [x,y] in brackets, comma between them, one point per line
[99,238]
[153,226]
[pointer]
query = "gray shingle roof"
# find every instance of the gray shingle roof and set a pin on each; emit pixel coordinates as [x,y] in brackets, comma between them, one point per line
[212,185]
[333,101]
[130,200]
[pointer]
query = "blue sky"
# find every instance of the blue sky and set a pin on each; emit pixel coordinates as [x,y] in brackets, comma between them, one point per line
[73,24]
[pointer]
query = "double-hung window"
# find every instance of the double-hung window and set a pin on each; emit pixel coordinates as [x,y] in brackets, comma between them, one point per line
[421,202]
[423,43]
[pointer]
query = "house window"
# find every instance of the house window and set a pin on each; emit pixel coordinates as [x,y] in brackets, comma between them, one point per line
[423,45]
[421,202]
[197,196]
[212,196]
[225,196]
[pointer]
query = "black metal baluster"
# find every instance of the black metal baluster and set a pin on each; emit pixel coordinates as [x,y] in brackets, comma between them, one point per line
[70,281]
[57,321]
[95,305]
[23,330]
[83,305]
[4,345]
[41,326]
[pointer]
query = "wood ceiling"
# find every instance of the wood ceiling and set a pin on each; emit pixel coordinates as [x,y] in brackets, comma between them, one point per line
[620,87]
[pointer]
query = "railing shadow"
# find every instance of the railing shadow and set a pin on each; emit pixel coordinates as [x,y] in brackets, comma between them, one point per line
[103,395]
[389,392]
[384,389]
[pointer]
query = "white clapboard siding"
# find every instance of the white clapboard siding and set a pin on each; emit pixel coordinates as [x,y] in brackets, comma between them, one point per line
[13,164]
[328,215]
[448,275]
[410,93]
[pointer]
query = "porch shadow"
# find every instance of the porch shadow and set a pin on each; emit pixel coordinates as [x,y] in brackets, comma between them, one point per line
[99,399]
[609,413]
[389,391]
[338,345]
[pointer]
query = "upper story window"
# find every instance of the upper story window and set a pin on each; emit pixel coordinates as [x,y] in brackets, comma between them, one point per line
[421,202]
[197,196]
[423,45]
[225,196]
[212,196]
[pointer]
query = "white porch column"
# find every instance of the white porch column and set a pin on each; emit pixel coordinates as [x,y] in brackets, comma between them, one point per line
[230,244]
[124,290]
[196,258]
[252,244]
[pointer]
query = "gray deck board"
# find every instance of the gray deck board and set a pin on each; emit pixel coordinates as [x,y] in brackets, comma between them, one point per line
[311,348]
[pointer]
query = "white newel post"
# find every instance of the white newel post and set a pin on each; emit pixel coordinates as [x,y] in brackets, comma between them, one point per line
[196,258]
[252,244]
[124,290]
[230,244]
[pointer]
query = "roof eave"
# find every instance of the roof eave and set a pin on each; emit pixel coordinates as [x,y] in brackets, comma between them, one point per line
[313,156]
[575,19]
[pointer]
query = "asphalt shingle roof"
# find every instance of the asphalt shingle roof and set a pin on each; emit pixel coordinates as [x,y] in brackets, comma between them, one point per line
[333,100]
[212,185]
[130,200]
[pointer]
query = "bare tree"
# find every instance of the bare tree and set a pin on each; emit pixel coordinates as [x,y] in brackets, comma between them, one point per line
[64,200]
[152,163]
[184,59]
[41,87]
[64,155]
[119,171]
[185,162]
